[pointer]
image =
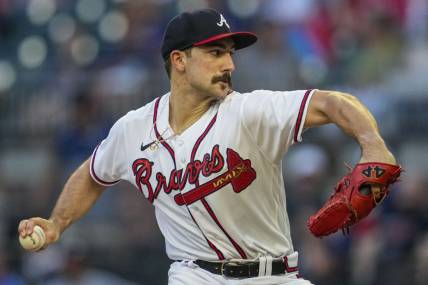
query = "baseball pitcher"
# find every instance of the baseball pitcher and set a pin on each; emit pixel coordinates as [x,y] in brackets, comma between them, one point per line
[209,160]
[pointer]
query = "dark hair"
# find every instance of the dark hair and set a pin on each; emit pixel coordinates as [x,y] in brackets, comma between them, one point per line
[167,63]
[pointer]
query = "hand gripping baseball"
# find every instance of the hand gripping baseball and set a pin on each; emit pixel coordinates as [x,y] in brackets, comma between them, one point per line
[46,232]
[349,204]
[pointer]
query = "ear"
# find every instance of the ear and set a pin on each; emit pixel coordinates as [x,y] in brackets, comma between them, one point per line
[178,60]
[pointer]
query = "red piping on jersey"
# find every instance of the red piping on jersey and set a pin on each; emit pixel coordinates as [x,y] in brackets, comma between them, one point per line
[213,247]
[214,217]
[220,255]
[300,116]
[158,136]
[201,137]
[99,180]
[204,202]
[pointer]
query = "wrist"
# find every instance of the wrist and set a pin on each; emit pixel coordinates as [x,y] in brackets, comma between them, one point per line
[377,155]
[58,225]
[373,149]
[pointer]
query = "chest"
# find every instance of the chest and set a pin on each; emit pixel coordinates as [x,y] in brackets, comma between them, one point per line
[195,165]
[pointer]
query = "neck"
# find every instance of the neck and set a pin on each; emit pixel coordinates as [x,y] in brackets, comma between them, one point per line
[185,107]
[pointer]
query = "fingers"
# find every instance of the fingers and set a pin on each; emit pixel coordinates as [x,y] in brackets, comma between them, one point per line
[378,194]
[26,226]
[52,233]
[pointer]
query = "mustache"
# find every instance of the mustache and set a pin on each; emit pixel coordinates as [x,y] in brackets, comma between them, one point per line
[225,77]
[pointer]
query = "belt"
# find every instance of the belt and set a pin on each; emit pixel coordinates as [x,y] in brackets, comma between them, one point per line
[245,269]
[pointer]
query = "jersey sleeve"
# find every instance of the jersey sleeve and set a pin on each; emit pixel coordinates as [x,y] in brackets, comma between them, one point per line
[108,159]
[275,119]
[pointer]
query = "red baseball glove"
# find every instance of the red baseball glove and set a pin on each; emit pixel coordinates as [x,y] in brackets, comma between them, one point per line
[354,197]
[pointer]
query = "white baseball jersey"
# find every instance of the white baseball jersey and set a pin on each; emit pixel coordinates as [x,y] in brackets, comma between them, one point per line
[217,188]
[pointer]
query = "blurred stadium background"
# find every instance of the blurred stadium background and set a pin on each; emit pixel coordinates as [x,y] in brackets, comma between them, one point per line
[69,69]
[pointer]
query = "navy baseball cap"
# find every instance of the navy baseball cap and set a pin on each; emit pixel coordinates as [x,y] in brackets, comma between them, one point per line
[198,28]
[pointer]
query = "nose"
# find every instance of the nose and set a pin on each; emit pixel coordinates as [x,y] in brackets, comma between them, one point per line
[228,65]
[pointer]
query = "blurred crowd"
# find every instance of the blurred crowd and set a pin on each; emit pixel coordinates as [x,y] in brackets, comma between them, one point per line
[69,69]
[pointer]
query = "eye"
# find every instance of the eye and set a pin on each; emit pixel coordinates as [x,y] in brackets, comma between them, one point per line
[215,52]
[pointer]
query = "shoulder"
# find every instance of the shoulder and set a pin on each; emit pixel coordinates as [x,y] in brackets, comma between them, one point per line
[262,93]
[238,97]
[261,96]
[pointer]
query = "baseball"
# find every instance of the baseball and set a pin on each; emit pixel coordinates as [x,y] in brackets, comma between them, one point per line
[35,241]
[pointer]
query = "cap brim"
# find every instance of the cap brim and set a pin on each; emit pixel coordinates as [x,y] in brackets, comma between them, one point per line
[241,39]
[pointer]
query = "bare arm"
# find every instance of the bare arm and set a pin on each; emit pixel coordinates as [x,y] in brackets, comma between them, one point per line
[348,113]
[78,196]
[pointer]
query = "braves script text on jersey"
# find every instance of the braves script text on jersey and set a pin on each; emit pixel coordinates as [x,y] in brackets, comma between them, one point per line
[217,188]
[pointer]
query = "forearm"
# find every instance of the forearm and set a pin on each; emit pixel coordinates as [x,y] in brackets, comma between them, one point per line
[79,194]
[349,114]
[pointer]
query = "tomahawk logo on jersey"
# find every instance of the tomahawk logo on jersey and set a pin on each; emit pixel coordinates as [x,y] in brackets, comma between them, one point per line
[239,174]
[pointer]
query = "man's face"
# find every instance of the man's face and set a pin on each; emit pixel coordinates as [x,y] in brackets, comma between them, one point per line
[209,68]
